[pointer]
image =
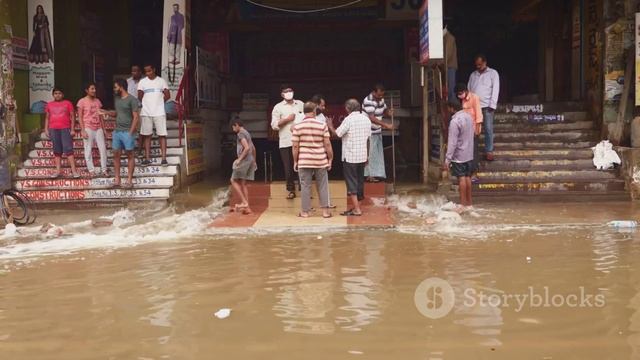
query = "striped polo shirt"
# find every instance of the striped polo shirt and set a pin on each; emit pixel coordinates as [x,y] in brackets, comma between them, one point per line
[310,134]
[376,108]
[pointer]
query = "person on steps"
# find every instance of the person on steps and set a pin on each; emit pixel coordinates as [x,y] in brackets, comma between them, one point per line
[59,123]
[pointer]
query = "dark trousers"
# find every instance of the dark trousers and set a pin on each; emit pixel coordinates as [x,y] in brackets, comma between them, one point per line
[475,167]
[286,154]
[354,177]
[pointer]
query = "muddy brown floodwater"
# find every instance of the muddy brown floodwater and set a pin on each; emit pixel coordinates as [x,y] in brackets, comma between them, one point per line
[148,287]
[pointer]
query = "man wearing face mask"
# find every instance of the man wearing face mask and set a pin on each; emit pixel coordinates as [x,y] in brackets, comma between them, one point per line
[282,117]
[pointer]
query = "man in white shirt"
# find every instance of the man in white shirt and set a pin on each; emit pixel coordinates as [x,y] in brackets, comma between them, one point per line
[153,92]
[282,118]
[485,82]
[355,132]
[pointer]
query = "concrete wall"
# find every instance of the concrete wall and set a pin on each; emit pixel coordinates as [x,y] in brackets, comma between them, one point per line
[213,121]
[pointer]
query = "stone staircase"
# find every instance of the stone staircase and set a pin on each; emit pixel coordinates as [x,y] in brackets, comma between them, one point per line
[546,158]
[153,182]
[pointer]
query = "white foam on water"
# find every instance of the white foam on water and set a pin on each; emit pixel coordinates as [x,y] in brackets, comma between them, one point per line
[125,232]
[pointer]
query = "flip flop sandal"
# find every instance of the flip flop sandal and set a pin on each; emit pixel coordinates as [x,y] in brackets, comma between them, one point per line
[302,216]
[247,211]
[327,217]
[291,196]
[54,175]
[350,213]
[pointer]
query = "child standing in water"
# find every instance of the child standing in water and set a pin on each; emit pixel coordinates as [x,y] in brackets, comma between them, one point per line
[58,127]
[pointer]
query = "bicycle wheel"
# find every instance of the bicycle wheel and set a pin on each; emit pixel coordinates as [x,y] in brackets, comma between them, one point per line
[14,210]
[30,206]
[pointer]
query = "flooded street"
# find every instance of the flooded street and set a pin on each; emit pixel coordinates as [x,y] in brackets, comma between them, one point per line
[148,287]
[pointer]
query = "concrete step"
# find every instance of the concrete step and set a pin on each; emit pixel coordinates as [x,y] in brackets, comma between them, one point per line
[48,153]
[49,162]
[545,197]
[537,165]
[540,145]
[56,196]
[534,187]
[79,144]
[546,176]
[45,173]
[149,182]
[171,134]
[544,136]
[537,107]
[568,117]
[110,124]
[545,127]
[545,154]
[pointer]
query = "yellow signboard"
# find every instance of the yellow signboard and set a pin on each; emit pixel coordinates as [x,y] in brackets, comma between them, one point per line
[194,139]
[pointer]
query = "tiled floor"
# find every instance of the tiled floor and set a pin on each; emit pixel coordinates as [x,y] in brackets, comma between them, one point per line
[271,209]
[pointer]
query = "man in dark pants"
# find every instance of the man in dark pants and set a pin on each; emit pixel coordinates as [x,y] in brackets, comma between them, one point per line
[355,132]
[282,118]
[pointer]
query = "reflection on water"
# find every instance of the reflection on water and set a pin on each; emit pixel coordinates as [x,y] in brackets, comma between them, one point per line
[343,295]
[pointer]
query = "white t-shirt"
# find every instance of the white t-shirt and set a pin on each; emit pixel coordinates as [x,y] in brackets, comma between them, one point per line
[153,99]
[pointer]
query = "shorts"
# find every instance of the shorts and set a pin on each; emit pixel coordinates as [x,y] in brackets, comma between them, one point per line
[62,142]
[464,169]
[123,140]
[150,122]
[354,177]
[245,171]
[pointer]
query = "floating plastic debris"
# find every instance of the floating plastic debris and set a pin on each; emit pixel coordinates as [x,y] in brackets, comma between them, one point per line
[223,313]
[623,224]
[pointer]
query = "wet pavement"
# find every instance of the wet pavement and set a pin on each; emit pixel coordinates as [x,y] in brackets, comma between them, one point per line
[148,286]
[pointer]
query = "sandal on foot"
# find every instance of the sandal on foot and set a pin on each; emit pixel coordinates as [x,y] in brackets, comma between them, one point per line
[291,195]
[350,213]
[327,216]
[303,216]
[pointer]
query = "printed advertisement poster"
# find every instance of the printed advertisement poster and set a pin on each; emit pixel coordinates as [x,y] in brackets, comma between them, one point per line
[41,53]
[173,44]
[208,84]
[195,152]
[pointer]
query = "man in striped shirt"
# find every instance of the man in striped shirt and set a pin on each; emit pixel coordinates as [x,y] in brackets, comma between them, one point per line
[312,156]
[376,109]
